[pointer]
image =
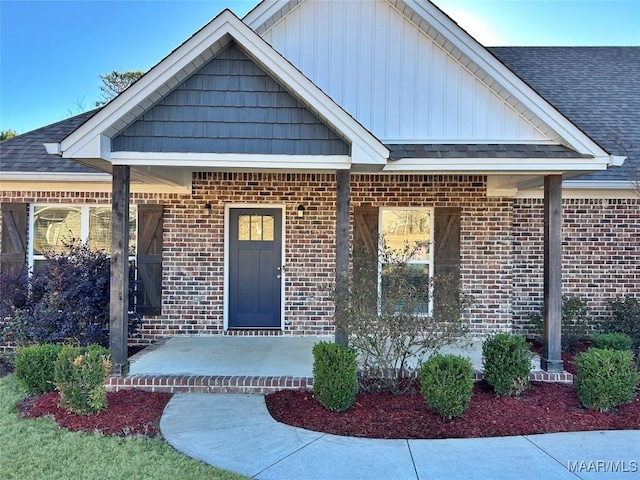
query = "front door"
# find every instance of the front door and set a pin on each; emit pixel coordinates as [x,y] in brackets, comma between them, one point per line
[255,275]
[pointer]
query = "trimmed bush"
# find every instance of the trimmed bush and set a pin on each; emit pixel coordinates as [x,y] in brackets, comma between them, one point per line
[80,373]
[612,341]
[446,382]
[625,318]
[334,376]
[507,363]
[34,367]
[606,378]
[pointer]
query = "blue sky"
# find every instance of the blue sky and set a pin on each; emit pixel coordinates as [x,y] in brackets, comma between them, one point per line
[52,52]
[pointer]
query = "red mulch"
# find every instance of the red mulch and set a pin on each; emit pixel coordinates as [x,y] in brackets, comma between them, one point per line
[544,408]
[129,413]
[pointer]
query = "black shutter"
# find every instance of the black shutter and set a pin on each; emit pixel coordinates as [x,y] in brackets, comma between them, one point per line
[149,260]
[13,255]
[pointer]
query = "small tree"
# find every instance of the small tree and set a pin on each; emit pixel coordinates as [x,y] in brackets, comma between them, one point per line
[390,325]
[7,134]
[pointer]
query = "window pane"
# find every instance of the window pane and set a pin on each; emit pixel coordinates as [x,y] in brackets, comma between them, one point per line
[256,227]
[100,229]
[267,228]
[244,222]
[407,232]
[406,287]
[55,227]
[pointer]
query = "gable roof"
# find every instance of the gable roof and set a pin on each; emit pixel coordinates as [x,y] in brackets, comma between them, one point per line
[596,87]
[92,140]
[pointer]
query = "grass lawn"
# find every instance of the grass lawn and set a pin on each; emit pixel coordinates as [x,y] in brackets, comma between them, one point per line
[38,449]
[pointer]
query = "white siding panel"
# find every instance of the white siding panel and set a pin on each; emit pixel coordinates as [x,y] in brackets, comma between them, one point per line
[392,77]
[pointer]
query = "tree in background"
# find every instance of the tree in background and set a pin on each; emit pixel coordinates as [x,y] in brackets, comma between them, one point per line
[115,83]
[7,134]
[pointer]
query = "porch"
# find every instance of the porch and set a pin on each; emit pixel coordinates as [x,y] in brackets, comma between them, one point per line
[250,364]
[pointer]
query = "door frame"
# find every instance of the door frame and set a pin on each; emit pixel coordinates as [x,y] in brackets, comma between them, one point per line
[227,217]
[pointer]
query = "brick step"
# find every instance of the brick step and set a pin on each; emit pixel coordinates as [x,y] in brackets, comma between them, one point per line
[253,384]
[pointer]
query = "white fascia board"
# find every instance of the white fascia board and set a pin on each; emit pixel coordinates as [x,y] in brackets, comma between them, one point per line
[598,185]
[490,64]
[498,165]
[263,12]
[86,139]
[232,160]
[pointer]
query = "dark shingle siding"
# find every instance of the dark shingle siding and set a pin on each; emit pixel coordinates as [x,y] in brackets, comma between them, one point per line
[230,105]
[26,152]
[597,88]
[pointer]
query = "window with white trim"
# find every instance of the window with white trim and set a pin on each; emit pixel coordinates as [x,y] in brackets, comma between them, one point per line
[406,233]
[54,226]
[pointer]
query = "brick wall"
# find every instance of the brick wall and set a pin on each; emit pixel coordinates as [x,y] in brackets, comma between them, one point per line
[501,245]
[600,250]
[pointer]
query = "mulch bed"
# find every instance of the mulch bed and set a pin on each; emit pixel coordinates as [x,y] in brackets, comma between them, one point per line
[129,413]
[544,408]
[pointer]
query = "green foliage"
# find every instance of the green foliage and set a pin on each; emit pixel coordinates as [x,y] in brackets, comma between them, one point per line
[80,373]
[35,367]
[446,382]
[392,330]
[625,318]
[114,83]
[612,341]
[606,378]
[334,376]
[507,363]
[577,322]
[7,134]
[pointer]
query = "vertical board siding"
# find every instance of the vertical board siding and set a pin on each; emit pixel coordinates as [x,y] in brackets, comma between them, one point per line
[392,77]
[230,105]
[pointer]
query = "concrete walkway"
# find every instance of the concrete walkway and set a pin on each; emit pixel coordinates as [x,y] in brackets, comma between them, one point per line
[236,432]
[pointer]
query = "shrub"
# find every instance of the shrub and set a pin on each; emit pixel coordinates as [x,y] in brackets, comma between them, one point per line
[606,378]
[625,318]
[80,373]
[507,363]
[392,329]
[611,341]
[334,376]
[576,321]
[67,301]
[34,367]
[446,382]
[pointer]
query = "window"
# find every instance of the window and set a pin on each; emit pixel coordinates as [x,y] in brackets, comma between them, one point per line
[255,228]
[406,236]
[55,226]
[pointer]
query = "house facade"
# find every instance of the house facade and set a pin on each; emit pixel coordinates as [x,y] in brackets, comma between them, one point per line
[239,172]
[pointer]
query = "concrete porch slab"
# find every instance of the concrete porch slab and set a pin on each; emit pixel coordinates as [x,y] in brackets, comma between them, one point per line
[248,364]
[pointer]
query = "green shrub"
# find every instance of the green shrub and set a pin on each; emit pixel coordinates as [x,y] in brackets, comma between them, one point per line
[35,367]
[80,373]
[606,378]
[625,318]
[577,322]
[334,376]
[507,363]
[612,341]
[446,382]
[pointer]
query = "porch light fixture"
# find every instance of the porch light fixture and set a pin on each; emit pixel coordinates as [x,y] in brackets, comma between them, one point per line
[300,211]
[207,208]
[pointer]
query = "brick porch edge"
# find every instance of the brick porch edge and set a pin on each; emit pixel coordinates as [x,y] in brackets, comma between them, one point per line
[252,384]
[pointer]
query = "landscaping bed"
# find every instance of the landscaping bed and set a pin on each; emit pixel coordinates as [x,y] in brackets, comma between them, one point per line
[544,408]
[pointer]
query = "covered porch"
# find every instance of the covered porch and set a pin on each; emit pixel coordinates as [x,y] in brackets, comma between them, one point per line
[250,364]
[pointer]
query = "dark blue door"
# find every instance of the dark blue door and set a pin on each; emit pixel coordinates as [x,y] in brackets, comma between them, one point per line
[255,251]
